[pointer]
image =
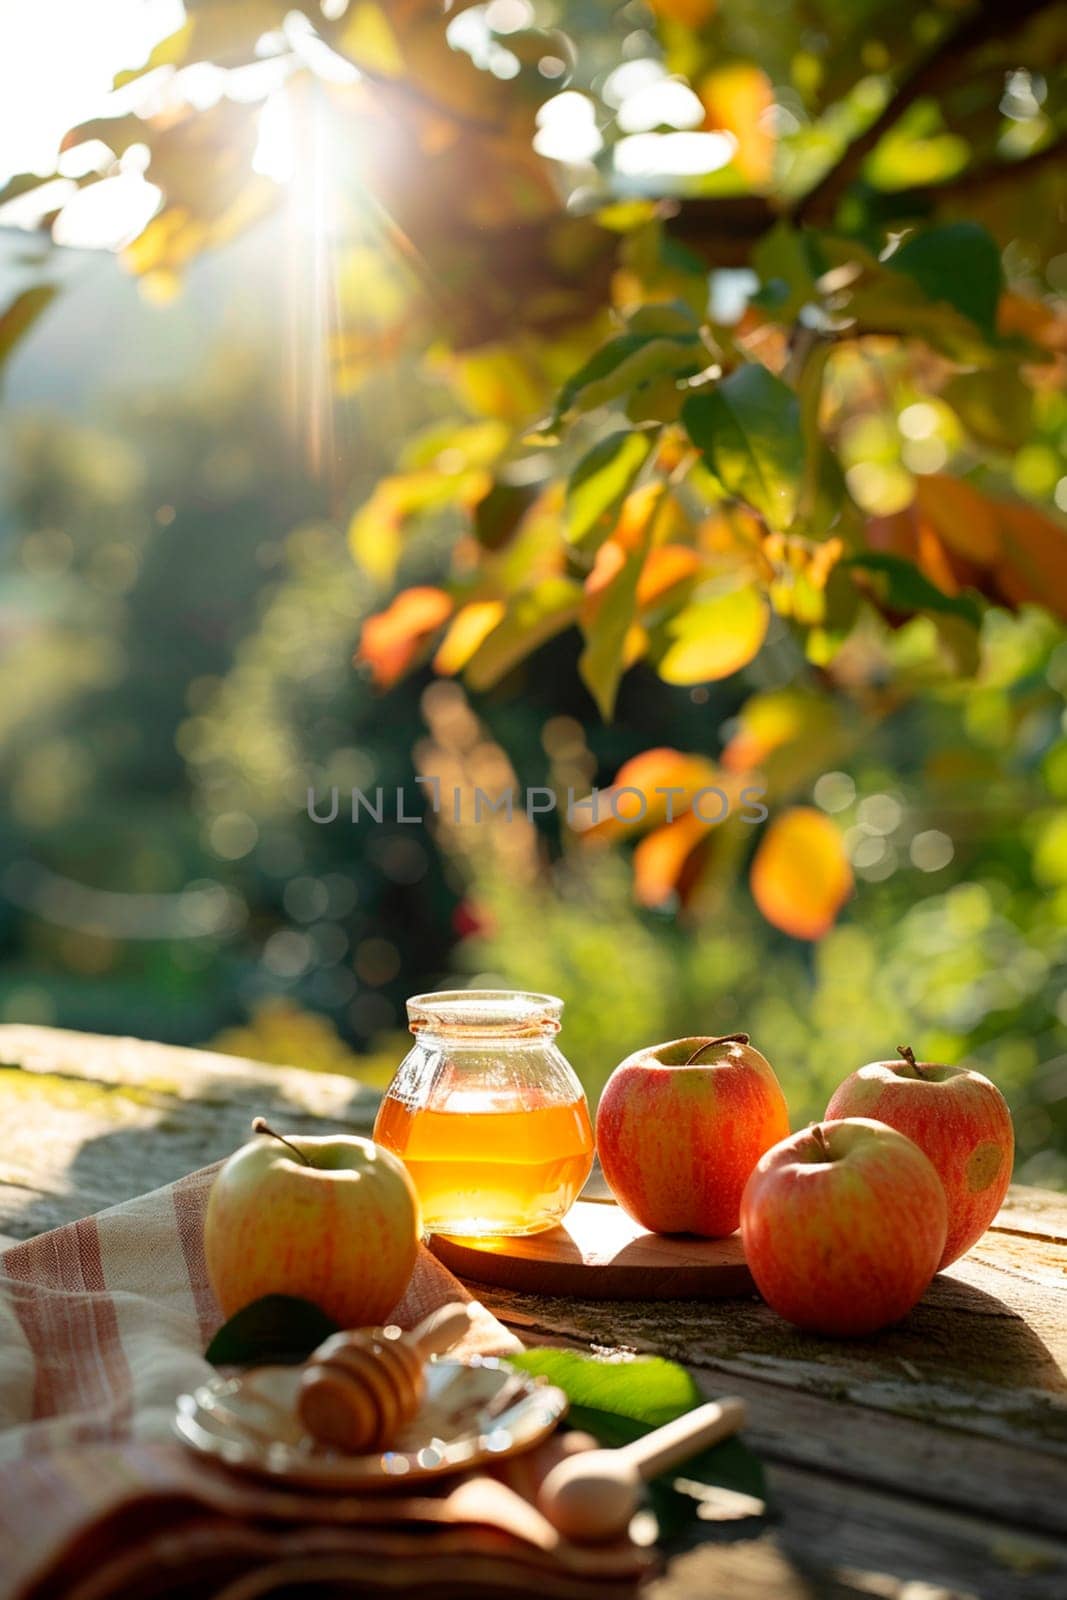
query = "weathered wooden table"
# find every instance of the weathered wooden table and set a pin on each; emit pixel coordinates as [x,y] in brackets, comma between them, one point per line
[926,1463]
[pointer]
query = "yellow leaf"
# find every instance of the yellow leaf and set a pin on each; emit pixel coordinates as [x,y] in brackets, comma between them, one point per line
[369,41]
[391,640]
[494,382]
[712,637]
[530,619]
[471,624]
[769,721]
[800,875]
[374,533]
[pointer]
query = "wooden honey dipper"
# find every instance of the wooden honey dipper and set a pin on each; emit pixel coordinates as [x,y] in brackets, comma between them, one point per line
[361,1386]
[591,1496]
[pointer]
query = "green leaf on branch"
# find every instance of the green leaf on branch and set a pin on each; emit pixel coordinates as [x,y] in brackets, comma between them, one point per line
[602,662]
[957,264]
[669,317]
[623,364]
[817,473]
[995,406]
[788,262]
[900,586]
[279,1328]
[21,314]
[498,514]
[748,430]
[600,483]
[530,620]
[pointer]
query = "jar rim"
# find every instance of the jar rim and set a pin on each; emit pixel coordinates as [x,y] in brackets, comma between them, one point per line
[500,1012]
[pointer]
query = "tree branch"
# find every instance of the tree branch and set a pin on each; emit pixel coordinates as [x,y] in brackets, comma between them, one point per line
[988,173]
[933,71]
[732,225]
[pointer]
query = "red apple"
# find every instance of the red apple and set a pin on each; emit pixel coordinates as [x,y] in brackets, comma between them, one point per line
[843,1225]
[680,1127]
[957,1118]
[334,1220]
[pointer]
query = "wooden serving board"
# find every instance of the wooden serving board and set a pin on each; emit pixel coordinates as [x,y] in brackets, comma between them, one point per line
[599,1253]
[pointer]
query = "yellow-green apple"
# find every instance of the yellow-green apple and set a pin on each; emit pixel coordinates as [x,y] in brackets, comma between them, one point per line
[333,1219]
[680,1127]
[957,1118]
[843,1225]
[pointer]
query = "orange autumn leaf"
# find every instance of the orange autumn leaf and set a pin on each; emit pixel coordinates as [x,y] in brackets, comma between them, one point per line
[471,624]
[736,539]
[607,564]
[620,814]
[738,100]
[690,13]
[1034,563]
[641,505]
[662,860]
[961,518]
[666,566]
[391,640]
[800,876]
[1036,320]
[901,533]
[934,561]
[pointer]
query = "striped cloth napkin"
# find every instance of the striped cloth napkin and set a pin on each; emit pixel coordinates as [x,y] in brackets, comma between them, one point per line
[102,1325]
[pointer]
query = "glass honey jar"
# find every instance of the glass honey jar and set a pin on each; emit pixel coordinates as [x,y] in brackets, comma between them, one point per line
[487,1114]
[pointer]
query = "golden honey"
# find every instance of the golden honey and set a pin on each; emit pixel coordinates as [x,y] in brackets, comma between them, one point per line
[483,1165]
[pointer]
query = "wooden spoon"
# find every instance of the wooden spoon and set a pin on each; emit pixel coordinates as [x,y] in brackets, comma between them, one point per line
[593,1495]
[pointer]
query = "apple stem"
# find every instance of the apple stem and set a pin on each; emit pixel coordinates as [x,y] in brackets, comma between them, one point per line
[908,1055]
[725,1038]
[819,1136]
[261,1125]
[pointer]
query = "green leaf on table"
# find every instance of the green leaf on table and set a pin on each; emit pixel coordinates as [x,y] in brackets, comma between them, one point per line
[619,1401]
[600,483]
[530,620]
[957,263]
[647,1389]
[900,586]
[278,1328]
[748,430]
